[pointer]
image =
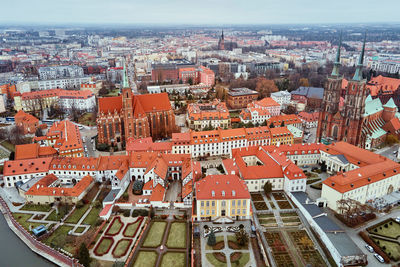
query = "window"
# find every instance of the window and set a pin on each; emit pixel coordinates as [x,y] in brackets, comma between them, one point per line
[223,203]
[213,203]
[202,203]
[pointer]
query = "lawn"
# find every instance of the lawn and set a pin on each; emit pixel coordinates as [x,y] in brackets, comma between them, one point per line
[242,261]
[58,235]
[290,219]
[114,92]
[92,217]
[80,229]
[53,216]
[266,215]
[115,227]
[235,246]
[121,248]
[104,246]
[173,259]
[35,207]
[22,219]
[86,119]
[145,259]
[8,146]
[177,235]
[217,240]
[131,228]
[155,234]
[77,214]
[391,249]
[389,229]
[216,263]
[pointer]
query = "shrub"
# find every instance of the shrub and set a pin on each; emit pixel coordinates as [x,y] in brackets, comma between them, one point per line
[97,204]
[115,209]
[126,213]
[137,187]
[125,196]
[102,147]
[99,221]
[79,204]
[211,241]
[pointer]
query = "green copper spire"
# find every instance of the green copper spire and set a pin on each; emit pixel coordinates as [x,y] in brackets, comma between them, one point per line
[358,74]
[336,66]
[125,82]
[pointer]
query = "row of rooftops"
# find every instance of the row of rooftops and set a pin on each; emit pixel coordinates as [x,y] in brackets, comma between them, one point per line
[60,93]
[214,110]
[220,135]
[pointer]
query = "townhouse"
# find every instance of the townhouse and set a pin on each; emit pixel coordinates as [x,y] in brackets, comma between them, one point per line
[208,115]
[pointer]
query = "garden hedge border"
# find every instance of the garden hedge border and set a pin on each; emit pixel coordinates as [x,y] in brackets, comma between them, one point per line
[111,224]
[376,248]
[126,250]
[140,218]
[147,233]
[97,246]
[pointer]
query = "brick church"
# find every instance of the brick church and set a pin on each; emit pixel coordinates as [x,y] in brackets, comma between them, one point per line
[137,116]
[350,114]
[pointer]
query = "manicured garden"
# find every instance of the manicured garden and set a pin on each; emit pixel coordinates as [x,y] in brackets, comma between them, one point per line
[155,234]
[260,205]
[279,249]
[62,211]
[389,228]
[131,228]
[146,259]
[77,214]
[284,204]
[218,259]
[233,244]
[35,207]
[173,259]
[104,246]
[219,244]
[92,217]
[257,197]
[177,235]
[392,249]
[239,259]
[305,246]
[121,248]
[80,229]
[23,218]
[58,237]
[115,226]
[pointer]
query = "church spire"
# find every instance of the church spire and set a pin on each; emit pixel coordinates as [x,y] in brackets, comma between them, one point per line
[336,66]
[358,74]
[222,35]
[125,82]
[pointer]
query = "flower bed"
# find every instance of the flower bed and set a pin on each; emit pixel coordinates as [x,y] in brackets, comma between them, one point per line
[257,197]
[283,204]
[115,227]
[132,228]
[260,205]
[104,246]
[121,248]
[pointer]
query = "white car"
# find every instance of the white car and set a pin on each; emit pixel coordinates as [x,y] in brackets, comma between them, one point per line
[369,248]
[397,219]
[379,258]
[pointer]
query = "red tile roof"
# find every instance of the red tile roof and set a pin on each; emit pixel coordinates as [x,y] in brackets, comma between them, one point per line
[25,166]
[224,187]
[110,104]
[158,193]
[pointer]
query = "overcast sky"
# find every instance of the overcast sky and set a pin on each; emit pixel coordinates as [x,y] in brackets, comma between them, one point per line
[199,12]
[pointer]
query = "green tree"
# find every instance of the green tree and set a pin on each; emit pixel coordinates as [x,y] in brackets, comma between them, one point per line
[267,188]
[190,81]
[283,124]
[211,241]
[84,257]
[242,237]
[272,125]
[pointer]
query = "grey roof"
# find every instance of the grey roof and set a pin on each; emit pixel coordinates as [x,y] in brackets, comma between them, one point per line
[300,196]
[27,185]
[344,245]
[327,224]
[241,91]
[111,196]
[309,92]
[340,157]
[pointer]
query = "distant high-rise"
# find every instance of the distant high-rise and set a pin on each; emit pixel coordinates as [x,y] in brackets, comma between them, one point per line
[221,42]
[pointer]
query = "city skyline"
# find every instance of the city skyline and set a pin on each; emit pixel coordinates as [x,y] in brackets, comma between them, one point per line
[208,12]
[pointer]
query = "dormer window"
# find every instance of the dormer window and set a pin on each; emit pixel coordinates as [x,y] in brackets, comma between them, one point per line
[223,193]
[213,193]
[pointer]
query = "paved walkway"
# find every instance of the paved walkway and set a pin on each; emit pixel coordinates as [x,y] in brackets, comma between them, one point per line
[226,250]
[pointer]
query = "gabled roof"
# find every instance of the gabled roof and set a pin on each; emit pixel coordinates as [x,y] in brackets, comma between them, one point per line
[110,104]
[390,104]
[154,102]
[25,166]
[158,193]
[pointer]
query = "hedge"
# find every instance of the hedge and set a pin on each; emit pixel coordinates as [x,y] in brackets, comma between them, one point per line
[377,249]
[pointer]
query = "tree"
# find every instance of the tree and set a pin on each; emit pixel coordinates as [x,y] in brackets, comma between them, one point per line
[84,257]
[267,188]
[283,124]
[272,125]
[266,87]
[190,81]
[211,241]
[391,139]
[137,187]
[242,237]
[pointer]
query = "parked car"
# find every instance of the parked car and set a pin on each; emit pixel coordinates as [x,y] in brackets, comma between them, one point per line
[369,248]
[379,258]
[397,219]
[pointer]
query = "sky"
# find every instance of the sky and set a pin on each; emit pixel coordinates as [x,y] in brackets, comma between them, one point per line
[200,12]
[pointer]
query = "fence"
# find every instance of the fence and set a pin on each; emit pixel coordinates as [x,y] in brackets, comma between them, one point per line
[37,246]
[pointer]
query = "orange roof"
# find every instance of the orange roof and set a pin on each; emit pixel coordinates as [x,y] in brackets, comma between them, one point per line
[25,166]
[353,154]
[308,116]
[187,189]
[383,85]
[66,135]
[221,187]
[73,163]
[292,172]
[147,144]
[27,151]
[344,182]
[43,187]
[215,110]
[106,209]
[111,162]
[158,193]
[47,151]
[25,117]
[61,93]
[280,131]
[154,102]
[286,119]
[311,148]
[148,185]
[110,104]
[267,102]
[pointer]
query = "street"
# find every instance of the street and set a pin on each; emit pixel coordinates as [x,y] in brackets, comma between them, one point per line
[389,152]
